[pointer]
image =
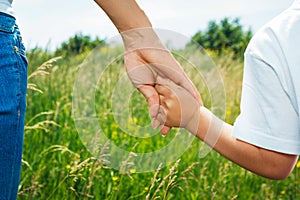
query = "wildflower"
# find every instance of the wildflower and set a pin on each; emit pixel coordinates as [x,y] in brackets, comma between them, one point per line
[132,171]
[114,135]
[146,189]
[135,120]
[115,178]
[282,192]
[68,166]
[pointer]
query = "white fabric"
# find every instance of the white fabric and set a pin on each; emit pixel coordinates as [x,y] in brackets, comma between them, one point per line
[270,101]
[5,7]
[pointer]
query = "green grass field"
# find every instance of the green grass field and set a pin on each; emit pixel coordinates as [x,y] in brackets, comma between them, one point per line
[56,164]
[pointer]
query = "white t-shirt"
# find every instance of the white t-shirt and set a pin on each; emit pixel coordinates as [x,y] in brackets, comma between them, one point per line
[270,101]
[5,7]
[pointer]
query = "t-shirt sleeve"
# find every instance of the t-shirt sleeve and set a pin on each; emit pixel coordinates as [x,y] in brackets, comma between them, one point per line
[268,118]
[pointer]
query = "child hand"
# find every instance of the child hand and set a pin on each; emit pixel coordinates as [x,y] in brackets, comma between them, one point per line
[178,108]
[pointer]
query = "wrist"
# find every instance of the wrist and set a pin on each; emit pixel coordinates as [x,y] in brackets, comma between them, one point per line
[129,25]
[194,124]
[141,38]
[211,127]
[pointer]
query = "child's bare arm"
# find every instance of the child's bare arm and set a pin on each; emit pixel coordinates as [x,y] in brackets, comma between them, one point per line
[179,109]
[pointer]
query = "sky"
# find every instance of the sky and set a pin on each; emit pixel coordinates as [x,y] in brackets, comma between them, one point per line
[47,23]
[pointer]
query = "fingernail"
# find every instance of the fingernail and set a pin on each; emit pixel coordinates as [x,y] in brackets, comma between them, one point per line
[163,135]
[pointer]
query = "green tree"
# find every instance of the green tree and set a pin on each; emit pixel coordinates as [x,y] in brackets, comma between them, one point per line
[223,37]
[78,44]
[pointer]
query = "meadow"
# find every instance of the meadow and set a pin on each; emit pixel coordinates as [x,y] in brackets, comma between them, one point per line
[57,165]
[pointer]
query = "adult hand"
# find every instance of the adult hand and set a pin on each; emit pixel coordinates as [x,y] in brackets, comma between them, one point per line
[149,63]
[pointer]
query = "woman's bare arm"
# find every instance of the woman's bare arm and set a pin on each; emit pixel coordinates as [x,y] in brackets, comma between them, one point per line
[125,14]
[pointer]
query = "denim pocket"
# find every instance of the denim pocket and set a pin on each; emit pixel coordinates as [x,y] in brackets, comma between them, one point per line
[19,46]
[7,23]
[22,62]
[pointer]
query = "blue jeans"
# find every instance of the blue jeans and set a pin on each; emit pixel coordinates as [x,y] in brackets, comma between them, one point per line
[13,83]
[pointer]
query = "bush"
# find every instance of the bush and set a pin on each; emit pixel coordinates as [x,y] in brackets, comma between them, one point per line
[78,44]
[227,36]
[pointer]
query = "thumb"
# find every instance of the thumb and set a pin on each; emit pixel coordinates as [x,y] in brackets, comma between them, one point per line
[182,80]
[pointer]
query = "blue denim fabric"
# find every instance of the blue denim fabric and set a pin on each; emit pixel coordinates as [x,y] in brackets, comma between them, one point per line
[13,83]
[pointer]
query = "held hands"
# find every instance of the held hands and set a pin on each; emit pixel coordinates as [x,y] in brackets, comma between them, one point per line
[149,63]
[178,107]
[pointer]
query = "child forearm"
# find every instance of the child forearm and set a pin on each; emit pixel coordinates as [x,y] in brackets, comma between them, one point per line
[263,162]
[125,15]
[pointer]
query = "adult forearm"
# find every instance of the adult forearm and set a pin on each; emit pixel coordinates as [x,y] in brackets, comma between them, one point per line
[125,14]
[261,161]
